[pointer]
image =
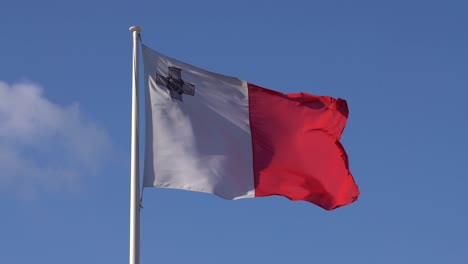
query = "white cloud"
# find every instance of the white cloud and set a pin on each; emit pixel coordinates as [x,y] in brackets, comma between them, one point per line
[43,145]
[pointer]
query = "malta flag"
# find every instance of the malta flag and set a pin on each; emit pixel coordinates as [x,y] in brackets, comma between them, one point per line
[212,133]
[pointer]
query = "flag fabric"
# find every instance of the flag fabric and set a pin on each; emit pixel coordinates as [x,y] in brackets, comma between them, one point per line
[217,134]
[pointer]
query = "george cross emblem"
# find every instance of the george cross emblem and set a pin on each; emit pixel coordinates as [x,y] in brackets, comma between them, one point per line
[175,84]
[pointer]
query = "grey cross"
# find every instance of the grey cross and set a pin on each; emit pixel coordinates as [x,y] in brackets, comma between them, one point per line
[175,84]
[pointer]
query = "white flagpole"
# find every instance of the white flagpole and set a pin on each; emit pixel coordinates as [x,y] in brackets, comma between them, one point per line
[134,163]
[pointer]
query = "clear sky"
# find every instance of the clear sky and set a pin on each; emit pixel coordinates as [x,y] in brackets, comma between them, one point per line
[65,86]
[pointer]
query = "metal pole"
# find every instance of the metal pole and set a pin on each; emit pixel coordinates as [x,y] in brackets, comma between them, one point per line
[134,257]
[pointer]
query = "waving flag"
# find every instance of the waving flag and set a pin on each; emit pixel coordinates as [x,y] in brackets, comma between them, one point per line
[217,134]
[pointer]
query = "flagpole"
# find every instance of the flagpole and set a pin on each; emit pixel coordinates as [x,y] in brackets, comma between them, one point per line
[134,256]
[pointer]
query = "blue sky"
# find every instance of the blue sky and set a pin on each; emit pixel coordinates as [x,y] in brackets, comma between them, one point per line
[65,86]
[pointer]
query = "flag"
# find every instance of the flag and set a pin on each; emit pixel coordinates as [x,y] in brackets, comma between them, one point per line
[217,134]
